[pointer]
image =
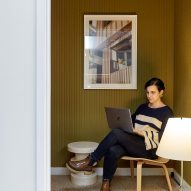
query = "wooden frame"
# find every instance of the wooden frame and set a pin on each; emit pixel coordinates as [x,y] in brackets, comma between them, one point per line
[161,162]
[110,51]
[43,94]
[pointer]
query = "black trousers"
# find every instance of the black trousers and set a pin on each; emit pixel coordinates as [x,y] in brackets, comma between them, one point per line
[116,144]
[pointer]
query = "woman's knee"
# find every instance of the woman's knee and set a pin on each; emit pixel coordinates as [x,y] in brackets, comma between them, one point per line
[117,131]
[115,152]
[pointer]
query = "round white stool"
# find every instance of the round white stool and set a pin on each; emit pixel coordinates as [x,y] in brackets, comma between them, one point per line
[82,149]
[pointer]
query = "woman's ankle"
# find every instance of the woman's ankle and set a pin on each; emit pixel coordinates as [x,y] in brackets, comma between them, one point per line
[93,161]
[105,185]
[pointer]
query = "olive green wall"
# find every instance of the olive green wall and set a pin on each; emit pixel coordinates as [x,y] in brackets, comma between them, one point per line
[182,68]
[78,114]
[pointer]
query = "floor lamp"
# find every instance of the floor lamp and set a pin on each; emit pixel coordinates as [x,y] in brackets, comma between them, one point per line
[175,143]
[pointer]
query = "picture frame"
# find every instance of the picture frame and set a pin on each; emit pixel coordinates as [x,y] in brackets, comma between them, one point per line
[110,51]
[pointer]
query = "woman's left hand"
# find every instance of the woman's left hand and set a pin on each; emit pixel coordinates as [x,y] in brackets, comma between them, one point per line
[138,132]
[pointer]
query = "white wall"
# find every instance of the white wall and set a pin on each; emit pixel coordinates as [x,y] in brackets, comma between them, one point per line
[17,95]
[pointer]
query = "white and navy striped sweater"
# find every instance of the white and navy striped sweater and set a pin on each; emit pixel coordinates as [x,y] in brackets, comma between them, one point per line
[152,122]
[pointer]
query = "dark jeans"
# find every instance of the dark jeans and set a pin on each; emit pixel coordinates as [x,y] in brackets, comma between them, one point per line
[117,144]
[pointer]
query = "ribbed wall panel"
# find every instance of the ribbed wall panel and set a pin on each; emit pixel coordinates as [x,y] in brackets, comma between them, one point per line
[182,72]
[78,114]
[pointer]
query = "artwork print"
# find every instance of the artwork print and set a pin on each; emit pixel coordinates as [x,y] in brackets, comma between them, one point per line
[110,51]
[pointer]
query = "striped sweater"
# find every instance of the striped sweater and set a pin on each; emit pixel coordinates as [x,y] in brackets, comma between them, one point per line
[152,122]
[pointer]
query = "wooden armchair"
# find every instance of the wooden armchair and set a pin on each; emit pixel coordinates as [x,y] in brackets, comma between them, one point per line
[140,161]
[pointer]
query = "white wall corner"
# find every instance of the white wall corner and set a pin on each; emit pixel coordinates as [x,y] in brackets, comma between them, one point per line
[43,93]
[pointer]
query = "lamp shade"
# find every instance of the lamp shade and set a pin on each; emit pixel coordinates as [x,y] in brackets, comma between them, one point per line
[176,140]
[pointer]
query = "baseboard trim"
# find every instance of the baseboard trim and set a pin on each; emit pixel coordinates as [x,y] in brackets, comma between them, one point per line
[177,177]
[119,171]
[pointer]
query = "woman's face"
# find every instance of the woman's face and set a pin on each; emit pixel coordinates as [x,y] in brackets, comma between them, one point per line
[153,94]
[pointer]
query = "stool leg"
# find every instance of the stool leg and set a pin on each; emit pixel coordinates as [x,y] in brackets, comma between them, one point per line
[139,175]
[80,156]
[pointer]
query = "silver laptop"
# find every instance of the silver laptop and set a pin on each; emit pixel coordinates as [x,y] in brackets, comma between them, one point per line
[119,118]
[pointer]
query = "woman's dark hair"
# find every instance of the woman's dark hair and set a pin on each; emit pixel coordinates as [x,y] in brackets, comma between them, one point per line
[157,82]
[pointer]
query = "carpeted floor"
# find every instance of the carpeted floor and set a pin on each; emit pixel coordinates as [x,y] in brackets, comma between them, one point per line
[119,183]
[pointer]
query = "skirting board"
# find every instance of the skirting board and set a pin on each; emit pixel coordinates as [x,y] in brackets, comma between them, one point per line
[119,171]
[186,186]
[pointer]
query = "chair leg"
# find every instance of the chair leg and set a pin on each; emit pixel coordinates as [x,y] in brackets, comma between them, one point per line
[139,175]
[132,168]
[167,177]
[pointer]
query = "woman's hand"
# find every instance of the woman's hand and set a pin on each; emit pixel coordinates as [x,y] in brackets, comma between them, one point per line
[138,132]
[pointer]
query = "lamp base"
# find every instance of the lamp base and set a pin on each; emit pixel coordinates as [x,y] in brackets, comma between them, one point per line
[180,188]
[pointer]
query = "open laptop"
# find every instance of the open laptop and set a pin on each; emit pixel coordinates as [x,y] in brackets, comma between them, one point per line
[119,118]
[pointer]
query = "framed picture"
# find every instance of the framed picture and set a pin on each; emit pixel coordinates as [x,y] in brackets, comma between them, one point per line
[110,51]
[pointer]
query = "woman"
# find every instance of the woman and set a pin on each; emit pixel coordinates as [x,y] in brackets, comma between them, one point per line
[149,123]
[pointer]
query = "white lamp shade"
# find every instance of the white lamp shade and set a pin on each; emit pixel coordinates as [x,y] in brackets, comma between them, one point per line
[176,140]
